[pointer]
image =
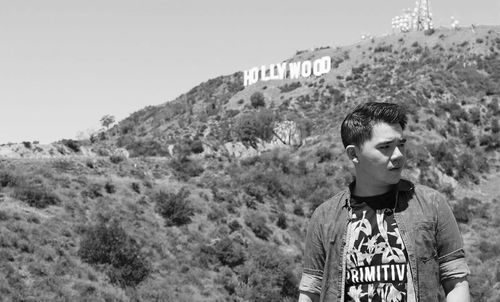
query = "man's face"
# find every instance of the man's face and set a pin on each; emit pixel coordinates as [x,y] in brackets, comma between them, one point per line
[381,159]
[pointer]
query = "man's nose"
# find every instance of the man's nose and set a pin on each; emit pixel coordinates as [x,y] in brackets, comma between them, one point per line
[397,154]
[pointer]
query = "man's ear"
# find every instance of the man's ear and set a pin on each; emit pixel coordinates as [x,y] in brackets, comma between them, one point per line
[351,153]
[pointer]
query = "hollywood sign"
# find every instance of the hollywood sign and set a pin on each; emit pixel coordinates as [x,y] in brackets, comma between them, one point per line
[292,70]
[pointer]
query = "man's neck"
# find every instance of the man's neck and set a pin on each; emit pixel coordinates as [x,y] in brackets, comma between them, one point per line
[364,188]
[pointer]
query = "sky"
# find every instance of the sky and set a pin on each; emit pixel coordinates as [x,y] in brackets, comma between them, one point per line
[65,63]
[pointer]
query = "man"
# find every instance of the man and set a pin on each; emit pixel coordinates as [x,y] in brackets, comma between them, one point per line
[383,238]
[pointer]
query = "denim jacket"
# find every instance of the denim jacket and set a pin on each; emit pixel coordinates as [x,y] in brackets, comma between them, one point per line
[429,231]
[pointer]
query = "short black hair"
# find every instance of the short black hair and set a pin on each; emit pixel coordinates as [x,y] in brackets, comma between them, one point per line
[357,126]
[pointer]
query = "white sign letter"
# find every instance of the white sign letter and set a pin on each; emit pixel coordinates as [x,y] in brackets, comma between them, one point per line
[306,69]
[294,70]
[281,70]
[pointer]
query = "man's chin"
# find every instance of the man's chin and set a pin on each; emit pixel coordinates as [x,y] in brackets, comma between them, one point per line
[394,179]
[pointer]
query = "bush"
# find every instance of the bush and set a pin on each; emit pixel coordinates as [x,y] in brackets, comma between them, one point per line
[461,212]
[184,168]
[115,159]
[37,197]
[110,245]
[467,135]
[216,213]
[257,100]
[110,188]
[466,167]
[282,222]
[71,144]
[289,87]
[488,250]
[196,146]
[175,208]
[253,126]
[227,251]
[136,187]
[146,147]
[93,191]
[429,31]
[9,179]
[490,141]
[443,154]
[267,276]
[298,210]
[234,225]
[257,223]
[495,125]
[324,154]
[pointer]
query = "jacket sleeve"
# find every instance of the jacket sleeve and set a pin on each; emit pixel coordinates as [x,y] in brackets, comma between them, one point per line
[450,252]
[314,256]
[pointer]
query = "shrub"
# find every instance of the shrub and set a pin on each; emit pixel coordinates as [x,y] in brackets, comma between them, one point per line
[490,141]
[467,135]
[136,187]
[196,146]
[234,225]
[495,125]
[443,154]
[253,126]
[110,188]
[71,144]
[429,31]
[257,223]
[93,191]
[324,154]
[27,145]
[488,250]
[298,210]
[38,197]
[216,213]
[475,116]
[143,147]
[289,87]
[282,222]
[267,276]
[461,212]
[115,159]
[257,100]
[175,208]
[227,251]
[9,179]
[184,168]
[110,245]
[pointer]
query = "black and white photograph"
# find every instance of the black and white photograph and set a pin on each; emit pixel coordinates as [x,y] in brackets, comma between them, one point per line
[249,151]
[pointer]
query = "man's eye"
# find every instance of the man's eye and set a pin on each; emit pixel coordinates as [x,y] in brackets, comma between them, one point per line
[384,147]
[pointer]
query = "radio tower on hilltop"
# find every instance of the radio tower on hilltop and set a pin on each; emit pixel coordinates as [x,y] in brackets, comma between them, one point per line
[418,19]
[423,15]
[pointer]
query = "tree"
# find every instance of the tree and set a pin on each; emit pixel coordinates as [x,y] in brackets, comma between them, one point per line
[257,100]
[107,120]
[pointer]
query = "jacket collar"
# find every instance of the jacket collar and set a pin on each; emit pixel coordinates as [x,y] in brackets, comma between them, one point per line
[403,186]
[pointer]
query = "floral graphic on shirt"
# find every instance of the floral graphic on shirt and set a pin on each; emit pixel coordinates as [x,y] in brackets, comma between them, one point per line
[376,261]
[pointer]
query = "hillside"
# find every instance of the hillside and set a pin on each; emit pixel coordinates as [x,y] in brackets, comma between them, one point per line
[214,200]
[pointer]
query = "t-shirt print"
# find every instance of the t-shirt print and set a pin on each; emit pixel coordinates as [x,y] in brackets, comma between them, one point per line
[376,263]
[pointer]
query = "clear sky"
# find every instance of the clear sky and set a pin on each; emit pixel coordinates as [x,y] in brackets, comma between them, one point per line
[66,63]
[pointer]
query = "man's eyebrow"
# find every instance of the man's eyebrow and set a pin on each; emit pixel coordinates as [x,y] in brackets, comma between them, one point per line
[403,140]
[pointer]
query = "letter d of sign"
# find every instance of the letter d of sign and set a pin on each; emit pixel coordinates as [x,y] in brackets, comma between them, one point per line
[322,65]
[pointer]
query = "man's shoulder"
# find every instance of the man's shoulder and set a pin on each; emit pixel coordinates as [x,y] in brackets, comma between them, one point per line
[427,192]
[333,203]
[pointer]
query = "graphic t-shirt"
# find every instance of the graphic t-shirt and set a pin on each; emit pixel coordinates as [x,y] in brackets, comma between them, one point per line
[376,263]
